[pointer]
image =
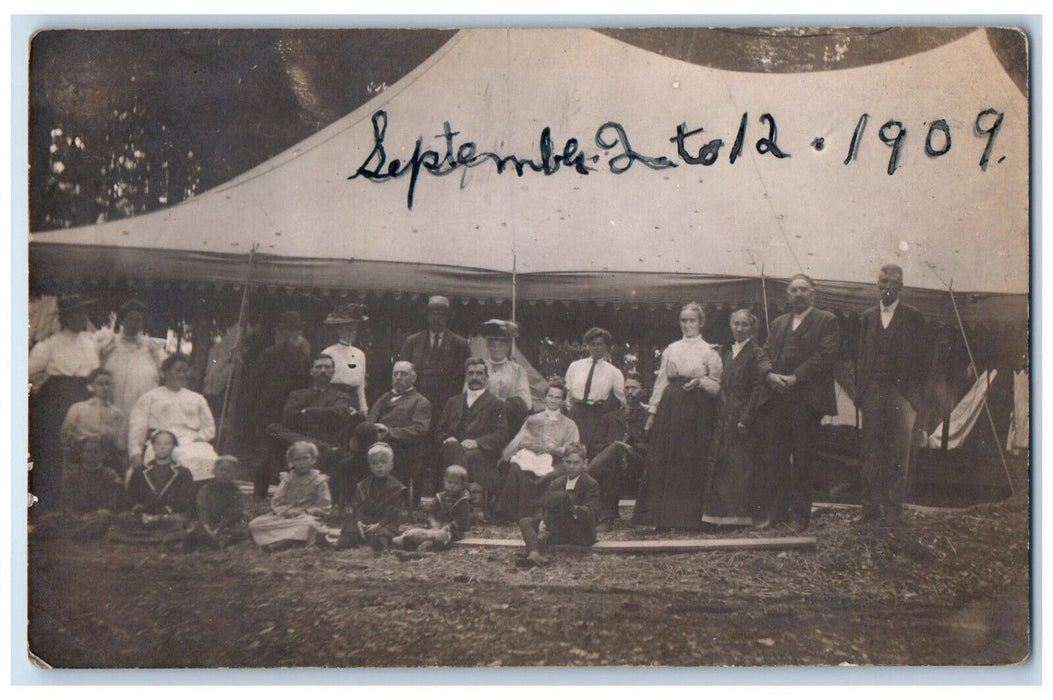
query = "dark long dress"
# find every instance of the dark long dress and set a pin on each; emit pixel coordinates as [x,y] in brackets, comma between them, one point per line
[673,485]
[674,481]
[47,410]
[731,483]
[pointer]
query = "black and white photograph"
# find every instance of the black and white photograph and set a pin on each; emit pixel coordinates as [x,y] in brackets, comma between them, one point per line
[684,347]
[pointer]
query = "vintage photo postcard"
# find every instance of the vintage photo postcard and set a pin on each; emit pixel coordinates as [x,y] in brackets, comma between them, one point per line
[681,347]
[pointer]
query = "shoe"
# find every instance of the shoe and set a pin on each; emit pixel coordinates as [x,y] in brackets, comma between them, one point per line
[869,514]
[798,524]
[768,523]
[537,559]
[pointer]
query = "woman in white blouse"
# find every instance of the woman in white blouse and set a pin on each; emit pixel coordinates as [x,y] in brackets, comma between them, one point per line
[683,404]
[183,412]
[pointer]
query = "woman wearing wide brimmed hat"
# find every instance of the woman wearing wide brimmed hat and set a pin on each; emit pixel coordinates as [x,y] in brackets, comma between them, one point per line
[506,379]
[350,375]
[130,356]
[58,370]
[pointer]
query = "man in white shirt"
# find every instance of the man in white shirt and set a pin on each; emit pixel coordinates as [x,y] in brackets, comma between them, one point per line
[594,385]
[891,366]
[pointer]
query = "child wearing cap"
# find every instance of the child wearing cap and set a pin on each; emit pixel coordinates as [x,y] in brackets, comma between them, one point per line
[220,514]
[378,506]
[449,515]
[298,504]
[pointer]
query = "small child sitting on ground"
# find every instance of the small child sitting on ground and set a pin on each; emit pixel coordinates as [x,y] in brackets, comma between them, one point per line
[449,515]
[378,505]
[569,509]
[220,515]
[301,499]
[160,496]
[91,490]
[90,480]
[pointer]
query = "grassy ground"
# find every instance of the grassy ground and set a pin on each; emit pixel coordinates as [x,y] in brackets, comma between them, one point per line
[949,587]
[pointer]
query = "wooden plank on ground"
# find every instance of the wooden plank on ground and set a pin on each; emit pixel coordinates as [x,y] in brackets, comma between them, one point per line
[685,545]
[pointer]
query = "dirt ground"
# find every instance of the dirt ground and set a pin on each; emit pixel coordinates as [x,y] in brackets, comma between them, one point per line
[948,588]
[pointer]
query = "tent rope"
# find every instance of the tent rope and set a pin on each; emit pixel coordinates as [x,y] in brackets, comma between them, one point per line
[973,368]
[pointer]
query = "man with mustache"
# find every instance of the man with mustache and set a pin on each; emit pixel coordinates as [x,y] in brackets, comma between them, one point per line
[472,430]
[890,374]
[803,346]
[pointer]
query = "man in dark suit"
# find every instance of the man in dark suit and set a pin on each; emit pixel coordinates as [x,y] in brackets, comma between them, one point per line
[318,414]
[438,354]
[472,429]
[890,374]
[402,418]
[803,346]
[618,448]
[280,369]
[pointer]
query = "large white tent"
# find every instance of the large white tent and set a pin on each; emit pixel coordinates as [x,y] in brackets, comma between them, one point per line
[645,235]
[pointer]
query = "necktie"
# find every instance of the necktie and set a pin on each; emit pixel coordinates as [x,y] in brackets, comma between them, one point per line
[588,382]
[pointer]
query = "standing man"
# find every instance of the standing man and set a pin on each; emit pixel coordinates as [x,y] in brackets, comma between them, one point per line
[890,374]
[803,347]
[595,387]
[472,430]
[350,376]
[278,370]
[438,354]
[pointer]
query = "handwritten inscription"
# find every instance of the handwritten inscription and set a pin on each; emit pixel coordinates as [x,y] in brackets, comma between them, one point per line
[692,148]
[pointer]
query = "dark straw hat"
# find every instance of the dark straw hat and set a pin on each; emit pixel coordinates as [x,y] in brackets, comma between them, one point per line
[348,313]
[496,328]
[73,302]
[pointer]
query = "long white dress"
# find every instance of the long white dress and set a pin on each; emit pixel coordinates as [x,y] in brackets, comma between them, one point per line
[134,364]
[187,415]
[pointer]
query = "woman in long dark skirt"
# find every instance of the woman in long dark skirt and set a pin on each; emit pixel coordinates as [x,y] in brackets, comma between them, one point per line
[683,405]
[58,370]
[735,442]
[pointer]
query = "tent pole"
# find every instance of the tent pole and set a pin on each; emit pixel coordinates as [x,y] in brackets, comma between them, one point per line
[236,355]
[987,409]
[764,295]
[513,299]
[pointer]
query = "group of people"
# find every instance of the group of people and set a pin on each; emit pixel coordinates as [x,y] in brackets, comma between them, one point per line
[727,440]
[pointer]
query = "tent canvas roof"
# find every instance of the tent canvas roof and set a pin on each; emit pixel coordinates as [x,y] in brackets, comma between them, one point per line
[642,235]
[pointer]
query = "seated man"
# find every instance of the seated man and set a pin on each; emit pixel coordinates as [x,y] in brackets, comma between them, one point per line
[319,414]
[472,428]
[620,445]
[401,418]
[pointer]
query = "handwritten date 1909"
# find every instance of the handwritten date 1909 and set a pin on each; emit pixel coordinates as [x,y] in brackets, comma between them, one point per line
[613,139]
